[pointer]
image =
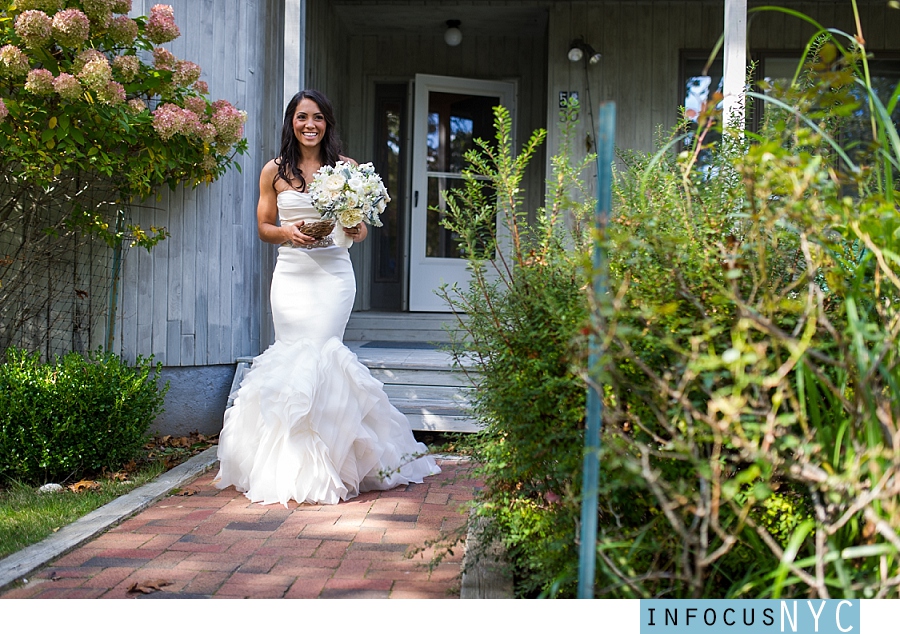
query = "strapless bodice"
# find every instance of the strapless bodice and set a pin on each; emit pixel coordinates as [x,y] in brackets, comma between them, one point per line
[294,206]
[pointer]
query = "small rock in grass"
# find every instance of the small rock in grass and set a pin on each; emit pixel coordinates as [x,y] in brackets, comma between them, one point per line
[51,488]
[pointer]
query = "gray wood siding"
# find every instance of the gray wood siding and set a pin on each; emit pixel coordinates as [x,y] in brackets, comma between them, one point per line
[199,297]
[641,41]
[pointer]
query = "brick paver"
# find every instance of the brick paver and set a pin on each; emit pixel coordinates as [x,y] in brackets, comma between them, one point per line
[217,544]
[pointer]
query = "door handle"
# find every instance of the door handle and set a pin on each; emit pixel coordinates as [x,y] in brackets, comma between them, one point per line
[416,198]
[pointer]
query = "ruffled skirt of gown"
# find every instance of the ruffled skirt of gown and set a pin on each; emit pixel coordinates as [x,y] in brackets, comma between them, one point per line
[309,422]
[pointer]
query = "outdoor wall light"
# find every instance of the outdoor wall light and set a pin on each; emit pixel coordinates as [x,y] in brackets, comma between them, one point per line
[453,36]
[579,48]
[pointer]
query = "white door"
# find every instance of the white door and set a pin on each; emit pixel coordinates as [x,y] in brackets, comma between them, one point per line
[449,113]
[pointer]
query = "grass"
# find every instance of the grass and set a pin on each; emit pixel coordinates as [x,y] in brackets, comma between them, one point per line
[28,516]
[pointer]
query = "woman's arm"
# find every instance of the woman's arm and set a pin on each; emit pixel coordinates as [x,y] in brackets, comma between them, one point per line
[267,213]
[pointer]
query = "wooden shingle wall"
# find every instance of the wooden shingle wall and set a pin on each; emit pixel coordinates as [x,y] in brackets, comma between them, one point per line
[198,298]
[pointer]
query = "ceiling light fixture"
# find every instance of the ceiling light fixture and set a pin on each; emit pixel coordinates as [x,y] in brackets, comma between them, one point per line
[453,36]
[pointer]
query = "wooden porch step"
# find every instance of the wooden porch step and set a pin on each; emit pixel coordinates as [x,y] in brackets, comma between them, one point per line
[422,382]
[401,327]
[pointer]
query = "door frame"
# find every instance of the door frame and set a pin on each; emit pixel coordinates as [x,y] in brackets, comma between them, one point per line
[425,273]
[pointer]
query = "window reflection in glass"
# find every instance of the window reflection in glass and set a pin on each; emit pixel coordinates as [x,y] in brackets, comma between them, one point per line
[454,122]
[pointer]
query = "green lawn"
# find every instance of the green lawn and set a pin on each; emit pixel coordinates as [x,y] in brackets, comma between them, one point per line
[28,516]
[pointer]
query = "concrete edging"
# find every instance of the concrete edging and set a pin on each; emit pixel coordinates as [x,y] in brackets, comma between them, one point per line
[29,559]
[488,576]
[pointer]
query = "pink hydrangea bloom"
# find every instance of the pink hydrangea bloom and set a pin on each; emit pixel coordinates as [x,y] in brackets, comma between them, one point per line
[34,27]
[201,86]
[85,56]
[39,82]
[71,27]
[121,6]
[4,111]
[137,105]
[96,74]
[163,59]
[195,104]
[168,120]
[98,11]
[13,62]
[229,123]
[209,162]
[128,67]
[190,122]
[67,86]
[123,30]
[161,26]
[186,73]
[206,132]
[112,93]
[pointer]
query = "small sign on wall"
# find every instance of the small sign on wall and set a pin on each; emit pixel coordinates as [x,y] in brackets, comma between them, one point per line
[565,96]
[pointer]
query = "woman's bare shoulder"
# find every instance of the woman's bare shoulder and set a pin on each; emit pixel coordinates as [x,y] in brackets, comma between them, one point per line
[270,169]
[269,177]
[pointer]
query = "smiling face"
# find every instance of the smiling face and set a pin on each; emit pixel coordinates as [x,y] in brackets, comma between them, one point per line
[309,123]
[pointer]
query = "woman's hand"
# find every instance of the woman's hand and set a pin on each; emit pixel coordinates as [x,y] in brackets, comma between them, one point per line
[294,236]
[357,233]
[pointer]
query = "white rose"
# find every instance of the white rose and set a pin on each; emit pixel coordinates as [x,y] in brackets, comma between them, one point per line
[351,217]
[334,183]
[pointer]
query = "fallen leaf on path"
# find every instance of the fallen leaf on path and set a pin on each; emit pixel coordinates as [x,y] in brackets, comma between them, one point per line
[151,585]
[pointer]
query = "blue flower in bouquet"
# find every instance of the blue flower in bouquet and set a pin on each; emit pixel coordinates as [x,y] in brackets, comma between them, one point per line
[349,194]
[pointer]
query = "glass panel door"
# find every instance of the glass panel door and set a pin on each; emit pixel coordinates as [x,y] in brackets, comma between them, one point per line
[388,275]
[450,113]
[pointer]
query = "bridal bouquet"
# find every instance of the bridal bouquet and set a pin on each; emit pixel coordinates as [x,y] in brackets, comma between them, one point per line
[349,194]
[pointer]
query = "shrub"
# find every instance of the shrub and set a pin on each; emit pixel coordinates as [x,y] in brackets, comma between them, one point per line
[750,371]
[524,309]
[75,416]
[751,377]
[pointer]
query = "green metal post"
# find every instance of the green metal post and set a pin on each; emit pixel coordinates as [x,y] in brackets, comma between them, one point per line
[588,548]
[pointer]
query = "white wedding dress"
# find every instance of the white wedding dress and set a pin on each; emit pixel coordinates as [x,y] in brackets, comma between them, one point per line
[309,422]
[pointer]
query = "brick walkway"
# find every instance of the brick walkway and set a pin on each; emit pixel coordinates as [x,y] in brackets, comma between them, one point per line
[217,544]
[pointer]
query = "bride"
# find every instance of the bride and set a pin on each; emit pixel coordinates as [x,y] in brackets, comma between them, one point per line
[309,422]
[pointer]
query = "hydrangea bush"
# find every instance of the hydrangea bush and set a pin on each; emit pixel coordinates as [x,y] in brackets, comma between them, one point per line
[89,93]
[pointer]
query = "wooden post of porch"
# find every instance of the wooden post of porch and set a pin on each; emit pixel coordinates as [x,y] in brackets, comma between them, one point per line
[735,63]
[294,48]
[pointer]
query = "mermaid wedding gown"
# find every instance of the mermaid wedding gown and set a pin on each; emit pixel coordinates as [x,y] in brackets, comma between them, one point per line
[309,422]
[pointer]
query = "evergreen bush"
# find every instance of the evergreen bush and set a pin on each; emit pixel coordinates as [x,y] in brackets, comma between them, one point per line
[74,416]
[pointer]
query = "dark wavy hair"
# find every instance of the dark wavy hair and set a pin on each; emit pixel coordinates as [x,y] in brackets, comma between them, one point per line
[289,155]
